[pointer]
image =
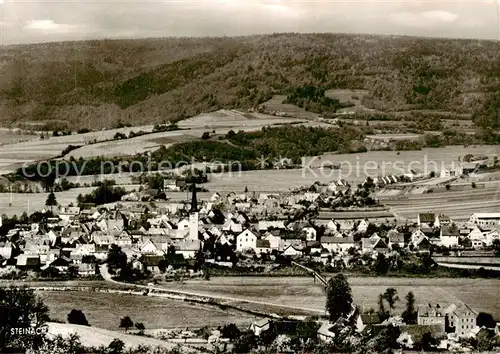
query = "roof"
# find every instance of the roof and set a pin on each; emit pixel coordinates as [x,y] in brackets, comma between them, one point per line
[263,244]
[427,217]
[261,323]
[487,215]
[370,318]
[337,240]
[450,231]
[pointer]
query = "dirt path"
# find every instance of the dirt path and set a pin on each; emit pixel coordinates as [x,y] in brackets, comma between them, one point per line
[105,274]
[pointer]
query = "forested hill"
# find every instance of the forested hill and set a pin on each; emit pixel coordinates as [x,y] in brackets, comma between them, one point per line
[93,84]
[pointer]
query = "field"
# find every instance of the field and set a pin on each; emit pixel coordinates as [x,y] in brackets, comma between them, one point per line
[95,337]
[481,294]
[104,310]
[355,168]
[30,202]
[458,203]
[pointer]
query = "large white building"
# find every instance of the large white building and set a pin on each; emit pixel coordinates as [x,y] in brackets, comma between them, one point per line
[486,221]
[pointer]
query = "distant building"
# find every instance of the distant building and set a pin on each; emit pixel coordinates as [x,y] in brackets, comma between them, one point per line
[486,221]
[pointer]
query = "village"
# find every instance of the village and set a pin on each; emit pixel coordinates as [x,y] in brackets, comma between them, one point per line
[266,234]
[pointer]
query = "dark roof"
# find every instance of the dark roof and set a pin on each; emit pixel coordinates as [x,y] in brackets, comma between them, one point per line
[427,217]
[263,244]
[370,318]
[450,231]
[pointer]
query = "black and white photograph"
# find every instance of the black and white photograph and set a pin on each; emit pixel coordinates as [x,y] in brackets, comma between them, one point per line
[249,176]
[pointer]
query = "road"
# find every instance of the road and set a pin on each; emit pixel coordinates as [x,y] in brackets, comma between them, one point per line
[106,276]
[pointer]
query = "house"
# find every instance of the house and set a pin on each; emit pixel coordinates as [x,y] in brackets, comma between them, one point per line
[246,240]
[431,315]
[149,247]
[61,264]
[260,326]
[461,319]
[477,238]
[28,262]
[187,247]
[263,246]
[265,225]
[87,269]
[363,225]
[428,219]
[325,332]
[450,235]
[310,233]
[374,244]
[274,240]
[486,221]
[6,249]
[224,254]
[491,236]
[395,238]
[232,225]
[420,244]
[365,321]
[337,244]
[292,251]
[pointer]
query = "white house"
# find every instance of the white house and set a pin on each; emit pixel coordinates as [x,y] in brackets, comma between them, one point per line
[363,225]
[246,240]
[449,236]
[233,226]
[274,240]
[310,233]
[292,251]
[260,326]
[477,238]
[486,221]
[337,244]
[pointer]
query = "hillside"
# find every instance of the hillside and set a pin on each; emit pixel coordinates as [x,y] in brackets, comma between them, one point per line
[96,84]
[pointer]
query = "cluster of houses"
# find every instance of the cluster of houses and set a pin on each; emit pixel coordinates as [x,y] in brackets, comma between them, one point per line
[223,227]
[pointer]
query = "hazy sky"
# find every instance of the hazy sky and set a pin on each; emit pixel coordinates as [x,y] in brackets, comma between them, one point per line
[32,21]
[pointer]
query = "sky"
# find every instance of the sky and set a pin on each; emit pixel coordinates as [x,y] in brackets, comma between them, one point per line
[33,21]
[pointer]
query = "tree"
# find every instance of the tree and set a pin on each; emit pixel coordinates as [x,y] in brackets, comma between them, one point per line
[427,342]
[20,308]
[381,264]
[205,136]
[486,320]
[338,297]
[140,327]
[391,297]
[51,200]
[77,317]
[116,346]
[410,314]
[230,331]
[117,259]
[382,312]
[126,323]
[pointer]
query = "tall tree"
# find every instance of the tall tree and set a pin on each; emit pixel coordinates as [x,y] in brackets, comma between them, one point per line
[382,312]
[77,317]
[51,200]
[410,314]
[126,322]
[391,297]
[117,259]
[20,308]
[338,297]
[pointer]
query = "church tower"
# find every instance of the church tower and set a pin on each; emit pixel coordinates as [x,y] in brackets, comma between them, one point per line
[193,215]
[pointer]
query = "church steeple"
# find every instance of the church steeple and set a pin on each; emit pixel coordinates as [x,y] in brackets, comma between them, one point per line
[194,200]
